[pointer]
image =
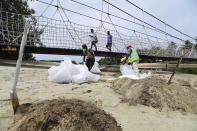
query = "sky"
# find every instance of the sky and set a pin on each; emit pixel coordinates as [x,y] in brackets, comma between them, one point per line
[181,14]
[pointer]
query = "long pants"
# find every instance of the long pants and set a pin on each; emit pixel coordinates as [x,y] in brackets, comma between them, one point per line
[94,44]
[90,63]
[135,67]
[108,46]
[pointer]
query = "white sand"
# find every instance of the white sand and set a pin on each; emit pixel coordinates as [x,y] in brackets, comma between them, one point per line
[34,86]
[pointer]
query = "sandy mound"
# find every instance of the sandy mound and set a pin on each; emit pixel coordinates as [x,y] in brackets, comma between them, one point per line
[66,115]
[155,92]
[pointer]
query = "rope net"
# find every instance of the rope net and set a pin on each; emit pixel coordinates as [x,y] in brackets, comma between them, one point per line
[65,34]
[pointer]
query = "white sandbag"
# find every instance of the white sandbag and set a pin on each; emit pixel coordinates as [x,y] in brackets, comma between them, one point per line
[59,74]
[134,77]
[111,79]
[92,77]
[142,76]
[81,76]
[62,76]
[68,72]
[127,71]
[84,75]
[67,63]
[95,68]
[52,71]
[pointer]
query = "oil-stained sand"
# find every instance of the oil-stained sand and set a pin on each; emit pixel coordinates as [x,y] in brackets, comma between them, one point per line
[66,115]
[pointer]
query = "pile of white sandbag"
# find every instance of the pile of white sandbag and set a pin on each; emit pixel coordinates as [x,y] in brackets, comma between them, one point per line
[67,72]
[128,72]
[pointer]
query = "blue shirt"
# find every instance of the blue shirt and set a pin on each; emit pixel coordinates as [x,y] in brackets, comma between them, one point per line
[109,38]
[129,51]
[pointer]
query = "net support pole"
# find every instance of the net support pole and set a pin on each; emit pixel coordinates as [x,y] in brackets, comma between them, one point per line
[184,52]
[13,94]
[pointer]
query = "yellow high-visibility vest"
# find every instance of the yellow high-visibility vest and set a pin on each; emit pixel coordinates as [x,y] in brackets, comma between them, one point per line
[133,56]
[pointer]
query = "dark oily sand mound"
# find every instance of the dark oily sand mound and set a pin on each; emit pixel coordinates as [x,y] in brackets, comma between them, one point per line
[155,92]
[66,115]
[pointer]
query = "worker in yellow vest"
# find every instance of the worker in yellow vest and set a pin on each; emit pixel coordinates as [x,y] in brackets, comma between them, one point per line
[88,56]
[132,59]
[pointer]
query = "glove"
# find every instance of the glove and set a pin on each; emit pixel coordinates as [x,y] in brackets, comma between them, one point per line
[123,60]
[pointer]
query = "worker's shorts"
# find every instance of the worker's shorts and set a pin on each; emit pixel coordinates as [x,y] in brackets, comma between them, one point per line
[90,63]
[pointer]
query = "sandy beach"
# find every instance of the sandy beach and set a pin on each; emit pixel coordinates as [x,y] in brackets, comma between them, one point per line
[33,87]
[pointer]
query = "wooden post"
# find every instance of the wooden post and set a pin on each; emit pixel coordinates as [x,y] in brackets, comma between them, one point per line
[166,67]
[13,94]
[177,66]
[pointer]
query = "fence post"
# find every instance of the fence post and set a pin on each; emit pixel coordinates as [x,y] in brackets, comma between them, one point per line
[13,94]
[177,65]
